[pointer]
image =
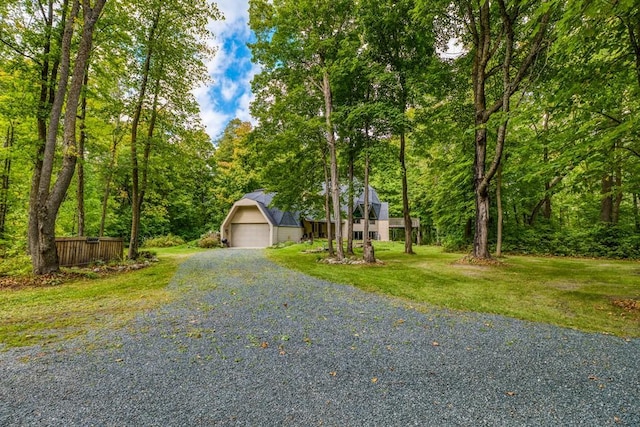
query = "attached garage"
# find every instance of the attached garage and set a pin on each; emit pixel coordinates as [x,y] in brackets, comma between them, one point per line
[250,235]
[253,223]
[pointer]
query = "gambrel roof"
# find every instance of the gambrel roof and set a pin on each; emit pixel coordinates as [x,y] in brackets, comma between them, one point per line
[379,210]
[274,215]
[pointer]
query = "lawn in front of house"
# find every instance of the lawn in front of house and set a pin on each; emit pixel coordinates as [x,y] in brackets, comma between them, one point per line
[47,314]
[595,295]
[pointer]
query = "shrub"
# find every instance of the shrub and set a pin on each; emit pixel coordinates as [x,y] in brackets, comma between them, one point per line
[209,240]
[163,241]
[600,241]
[147,255]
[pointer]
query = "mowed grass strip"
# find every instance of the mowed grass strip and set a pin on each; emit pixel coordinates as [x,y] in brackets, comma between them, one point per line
[568,292]
[43,315]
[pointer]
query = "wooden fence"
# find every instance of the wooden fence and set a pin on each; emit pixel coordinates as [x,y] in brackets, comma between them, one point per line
[78,251]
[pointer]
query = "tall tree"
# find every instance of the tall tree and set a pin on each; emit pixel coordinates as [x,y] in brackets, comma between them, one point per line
[308,38]
[404,46]
[174,46]
[505,39]
[49,197]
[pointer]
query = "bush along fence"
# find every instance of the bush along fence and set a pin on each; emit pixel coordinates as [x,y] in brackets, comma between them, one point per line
[79,251]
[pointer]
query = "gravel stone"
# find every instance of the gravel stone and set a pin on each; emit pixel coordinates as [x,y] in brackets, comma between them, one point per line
[250,343]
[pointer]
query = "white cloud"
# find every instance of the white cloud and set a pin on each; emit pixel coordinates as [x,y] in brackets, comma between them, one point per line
[214,120]
[235,25]
[229,89]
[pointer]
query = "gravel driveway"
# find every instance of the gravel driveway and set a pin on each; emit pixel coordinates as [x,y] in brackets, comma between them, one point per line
[254,344]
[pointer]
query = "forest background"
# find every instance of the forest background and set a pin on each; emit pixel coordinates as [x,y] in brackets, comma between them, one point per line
[526,140]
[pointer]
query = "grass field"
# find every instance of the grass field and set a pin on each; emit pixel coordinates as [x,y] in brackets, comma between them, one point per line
[574,293]
[40,315]
[585,294]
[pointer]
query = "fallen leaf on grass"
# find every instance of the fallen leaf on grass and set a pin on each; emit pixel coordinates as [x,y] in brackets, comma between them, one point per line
[627,304]
[264,344]
[333,373]
[511,393]
[435,344]
[593,378]
[374,380]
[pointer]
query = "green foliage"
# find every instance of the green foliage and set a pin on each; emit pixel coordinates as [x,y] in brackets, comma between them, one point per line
[164,241]
[572,139]
[209,240]
[13,261]
[600,241]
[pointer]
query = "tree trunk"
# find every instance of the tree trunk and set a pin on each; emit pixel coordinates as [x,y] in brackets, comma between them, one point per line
[335,185]
[606,204]
[350,205]
[6,172]
[500,216]
[80,166]
[136,200]
[546,207]
[406,212]
[481,59]
[327,208]
[636,212]
[44,258]
[367,248]
[48,80]
[617,196]
[484,50]
[49,198]
[546,199]
[368,253]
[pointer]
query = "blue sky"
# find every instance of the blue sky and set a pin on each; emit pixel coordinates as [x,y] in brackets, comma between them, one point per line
[231,70]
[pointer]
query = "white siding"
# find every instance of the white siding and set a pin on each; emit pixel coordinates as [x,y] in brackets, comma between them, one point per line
[248,215]
[383,230]
[289,234]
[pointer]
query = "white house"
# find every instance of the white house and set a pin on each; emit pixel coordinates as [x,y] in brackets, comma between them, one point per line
[253,223]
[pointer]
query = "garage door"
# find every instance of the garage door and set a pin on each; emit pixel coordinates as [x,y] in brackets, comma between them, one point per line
[250,235]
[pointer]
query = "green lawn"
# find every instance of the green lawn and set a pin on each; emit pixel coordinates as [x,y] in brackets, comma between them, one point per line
[41,315]
[576,293]
[569,292]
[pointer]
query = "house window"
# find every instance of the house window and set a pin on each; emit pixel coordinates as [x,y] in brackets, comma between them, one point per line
[372,221]
[373,235]
[357,235]
[356,220]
